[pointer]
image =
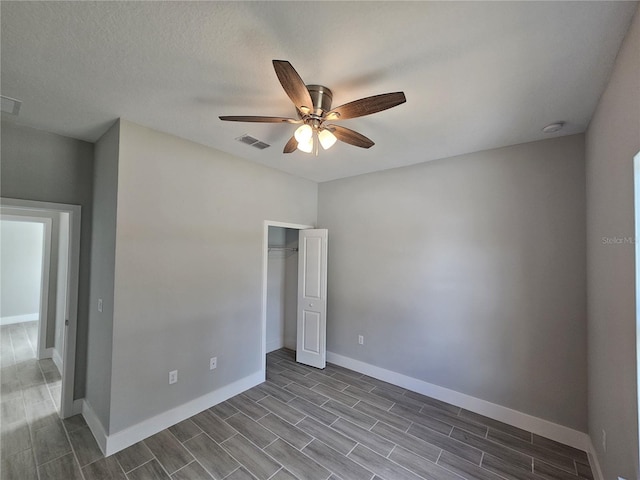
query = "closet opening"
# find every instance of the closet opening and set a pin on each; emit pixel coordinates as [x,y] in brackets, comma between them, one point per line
[280,286]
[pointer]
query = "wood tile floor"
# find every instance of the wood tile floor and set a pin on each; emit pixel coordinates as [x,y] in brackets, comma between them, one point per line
[302,423]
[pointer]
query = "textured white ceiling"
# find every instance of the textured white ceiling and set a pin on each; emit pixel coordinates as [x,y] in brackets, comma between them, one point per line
[477,75]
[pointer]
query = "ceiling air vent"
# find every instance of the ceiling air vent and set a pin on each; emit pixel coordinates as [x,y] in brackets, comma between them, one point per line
[10,105]
[254,142]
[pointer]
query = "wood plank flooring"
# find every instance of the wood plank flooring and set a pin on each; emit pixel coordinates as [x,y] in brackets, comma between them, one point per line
[301,423]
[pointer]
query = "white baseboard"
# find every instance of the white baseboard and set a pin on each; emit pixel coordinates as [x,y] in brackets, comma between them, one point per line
[539,426]
[113,443]
[274,345]
[95,425]
[290,343]
[10,320]
[595,464]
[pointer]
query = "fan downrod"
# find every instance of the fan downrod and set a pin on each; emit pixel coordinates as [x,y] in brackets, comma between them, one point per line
[321,97]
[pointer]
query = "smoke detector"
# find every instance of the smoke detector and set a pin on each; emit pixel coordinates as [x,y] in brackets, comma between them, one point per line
[553,127]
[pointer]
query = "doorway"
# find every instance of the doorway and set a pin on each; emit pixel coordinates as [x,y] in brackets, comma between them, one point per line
[56,337]
[25,286]
[282,288]
[279,286]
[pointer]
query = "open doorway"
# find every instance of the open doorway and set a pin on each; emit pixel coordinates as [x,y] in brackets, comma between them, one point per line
[21,272]
[46,342]
[24,285]
[280,286]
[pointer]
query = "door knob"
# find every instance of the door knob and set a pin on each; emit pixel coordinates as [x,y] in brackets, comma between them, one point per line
[311,304]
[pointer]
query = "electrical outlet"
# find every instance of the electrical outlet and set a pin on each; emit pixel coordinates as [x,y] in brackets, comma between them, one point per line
[173,377]
[360,340]
[213,363]
[100,305]
[604,440]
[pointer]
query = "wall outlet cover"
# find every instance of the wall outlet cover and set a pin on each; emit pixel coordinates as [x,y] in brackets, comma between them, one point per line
[213,363]
[173,377]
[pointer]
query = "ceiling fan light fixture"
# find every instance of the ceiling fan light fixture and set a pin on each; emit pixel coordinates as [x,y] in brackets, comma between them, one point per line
[306,146]
[327,139]
[313,107]
[303,133]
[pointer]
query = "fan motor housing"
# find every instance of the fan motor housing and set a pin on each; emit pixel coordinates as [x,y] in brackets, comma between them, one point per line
[321,97]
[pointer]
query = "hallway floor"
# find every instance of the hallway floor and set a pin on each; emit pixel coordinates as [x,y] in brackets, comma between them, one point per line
[302,423]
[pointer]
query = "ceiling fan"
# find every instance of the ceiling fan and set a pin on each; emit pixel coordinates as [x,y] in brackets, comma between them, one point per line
[313,108]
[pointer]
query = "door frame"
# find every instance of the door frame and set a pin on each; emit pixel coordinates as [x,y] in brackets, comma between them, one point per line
[33,208]
[636,240]
[265,264]
[14,216]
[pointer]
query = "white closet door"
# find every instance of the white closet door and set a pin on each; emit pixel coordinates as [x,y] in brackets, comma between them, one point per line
[311,345]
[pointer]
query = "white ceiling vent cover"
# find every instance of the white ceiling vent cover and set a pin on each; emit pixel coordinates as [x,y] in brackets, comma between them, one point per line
[254,142]
[10,105]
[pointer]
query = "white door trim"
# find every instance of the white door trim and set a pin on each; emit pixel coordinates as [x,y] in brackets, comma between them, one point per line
[265,263]
[69,361]
[636,201]
[44,289]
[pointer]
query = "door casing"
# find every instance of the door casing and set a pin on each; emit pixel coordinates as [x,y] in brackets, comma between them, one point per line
[33,208]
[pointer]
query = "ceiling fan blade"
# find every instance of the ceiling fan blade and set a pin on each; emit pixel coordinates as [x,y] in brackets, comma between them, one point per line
[232,118]
[367,106]
[291,145]
[293,85]
[351,137]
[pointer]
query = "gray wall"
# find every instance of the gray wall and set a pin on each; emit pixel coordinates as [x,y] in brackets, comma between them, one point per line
[612,140]
[468,273]
[46,167]
[188,269]
[21,268]
[103,245]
